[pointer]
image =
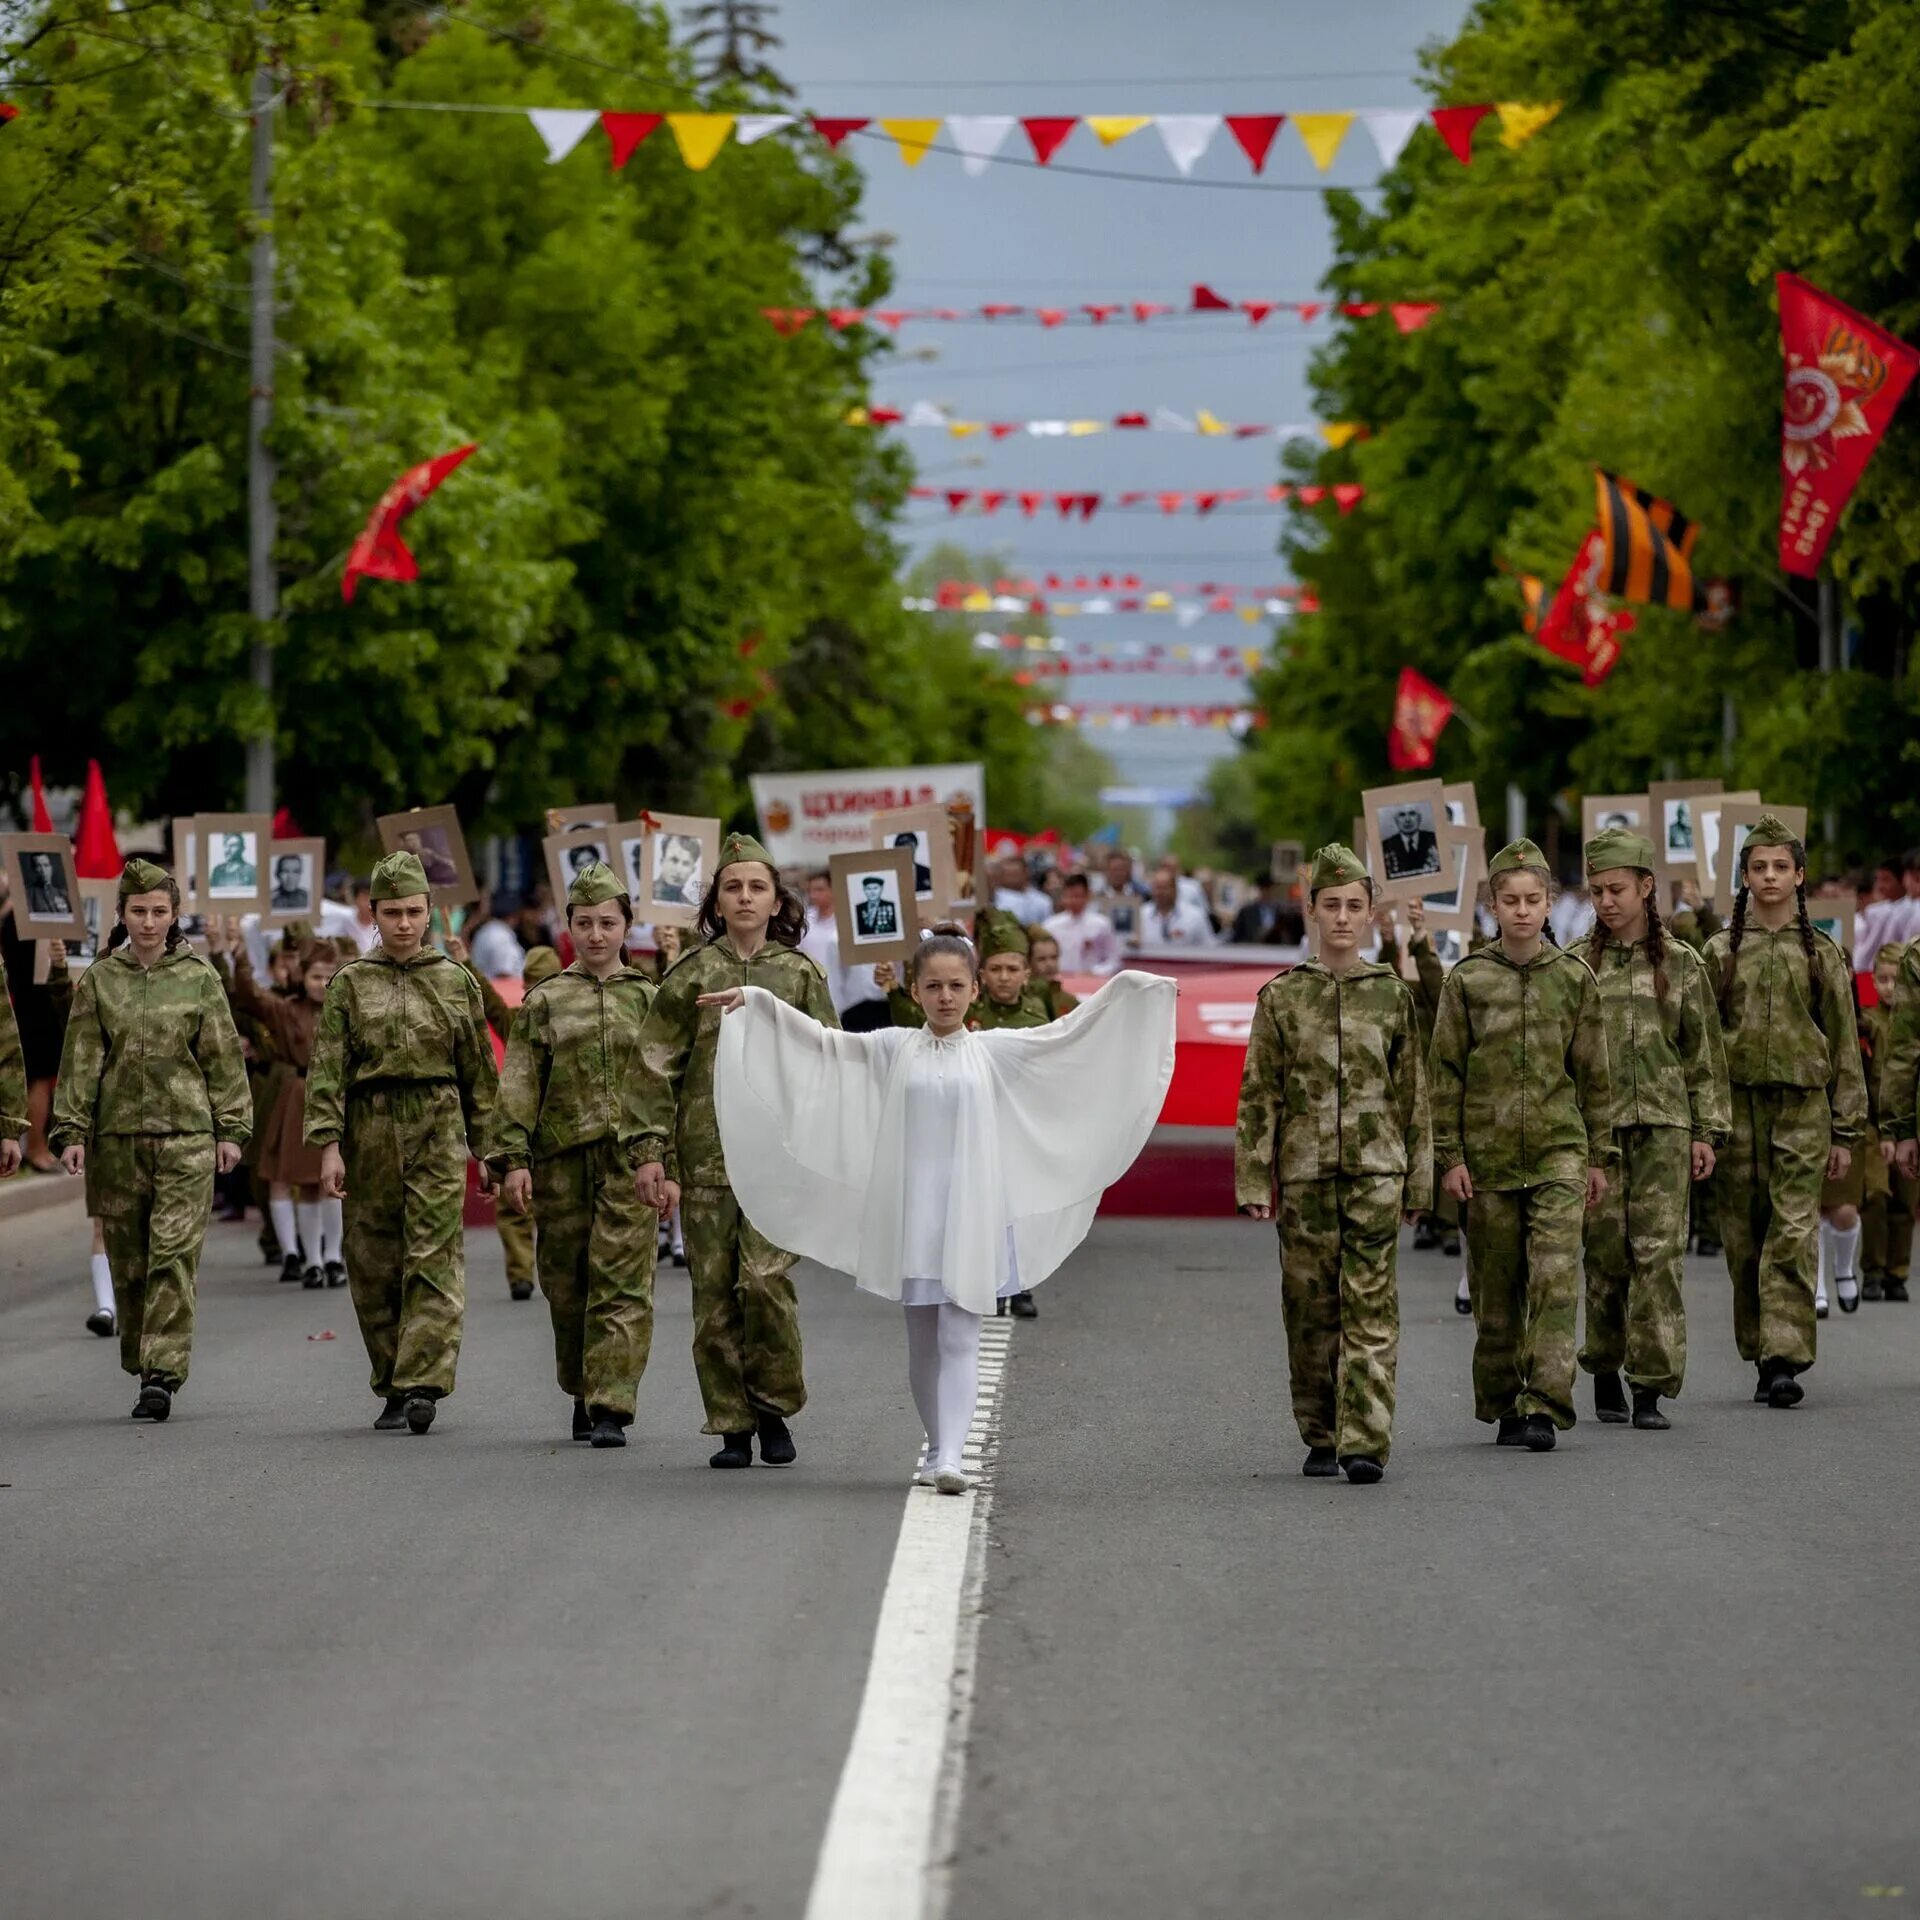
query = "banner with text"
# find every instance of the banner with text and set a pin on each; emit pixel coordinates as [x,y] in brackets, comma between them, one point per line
[804,817]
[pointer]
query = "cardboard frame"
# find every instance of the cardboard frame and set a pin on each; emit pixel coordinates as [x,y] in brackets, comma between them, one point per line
[1706,837]
[15,850]
[210,829]
[1429,794]
[463,891]
[648,911]
[1286,862]
[1835,914]
[596,817]
[1593,805]
[848,871]
[1466,848]
[106,893]
[1460,794]
[185,838]
[556,848]
[1685,865]
[306,849]
[935,904]
[1740,816]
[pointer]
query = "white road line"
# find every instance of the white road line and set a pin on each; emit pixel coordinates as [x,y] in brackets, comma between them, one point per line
[889,1838]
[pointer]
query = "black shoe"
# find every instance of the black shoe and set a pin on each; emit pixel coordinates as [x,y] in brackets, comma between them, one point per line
[1361,1470]
[1760,1386]
[1512,1431]
[1539,1436]
[737,1451]
[1450,1246]
[1023,1307]
[1321,1464]
[609,1429]
[521,1289]
[1894,1290]
[1462,1304]
[1873,1287]
[1646,1411]
[420,1410]
[100,1321]
[1609,1399]
[336,1274]
[393,1416]
[582,1421]
[313,1279]
[290,1269]
[999,1309]
[776,1443]
[1783,1390]
[1707,1247]
[1840,1295]
[1426,1236]
[679,1256]
[155,1402]
[269,1250]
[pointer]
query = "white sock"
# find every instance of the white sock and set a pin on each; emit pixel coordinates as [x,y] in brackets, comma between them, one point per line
[102,1284]
[923,1371]
[959,1340]
[333,1229]
[1846,1250]
[280,1212]
[1824,1265]
[1463,1291]
[309,1212]
[679,1234]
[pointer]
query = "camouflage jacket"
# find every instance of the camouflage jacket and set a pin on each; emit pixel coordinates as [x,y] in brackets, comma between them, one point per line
[390,1022]
[1665,1057]
[1899,1070]
[1431,977]
[493,1010]
[13,1073]
[1773,1037]
[573,1049]
[1521,1091]
[1059,1001]
[150,1050]
[987,1016]
[1334,1084]
[669,1114]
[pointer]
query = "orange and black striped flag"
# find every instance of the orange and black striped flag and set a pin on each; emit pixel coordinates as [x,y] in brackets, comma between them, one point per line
[1649,546]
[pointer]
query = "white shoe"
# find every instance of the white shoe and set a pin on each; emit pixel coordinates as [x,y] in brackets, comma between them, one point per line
[950,1480]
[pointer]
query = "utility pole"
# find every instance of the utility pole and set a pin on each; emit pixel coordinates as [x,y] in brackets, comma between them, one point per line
[1830,663]
[263,589]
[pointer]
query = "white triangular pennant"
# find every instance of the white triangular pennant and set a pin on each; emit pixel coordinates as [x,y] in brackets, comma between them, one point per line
[750,127]
[1165,420]
[562,128]
[1392,128]
[1187,136]
[978,136]
[923,413]
[1187,612]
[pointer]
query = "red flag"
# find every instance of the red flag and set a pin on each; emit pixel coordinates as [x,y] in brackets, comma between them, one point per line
[1420,715]
[990,502]
[1101,315]
[1845,377]
[1030,503]
[380,553]
[1411,315]
[625,131]
[8,111]
[1257,310]
[1050,316]
[1048,135]
[1348,495]
[42,819]
[1255,133]
[285,826]
[1146,309]
[957,497]
[1205,300]
[96,854]
[834,131]
[1455,126]
[1581,625]
[1129,419]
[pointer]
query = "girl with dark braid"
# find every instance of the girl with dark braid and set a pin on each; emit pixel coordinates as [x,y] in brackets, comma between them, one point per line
[1799,1102]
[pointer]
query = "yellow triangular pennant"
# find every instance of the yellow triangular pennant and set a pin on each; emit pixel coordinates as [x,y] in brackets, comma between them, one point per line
[981,602]
[700,136]
[1159,603]
[856,416]
[914,137]
[1208,424]
[1079,429]
[1113,127]
[1249,615]
[1336,433]
[1322,133]
[961,428]
[1520,121]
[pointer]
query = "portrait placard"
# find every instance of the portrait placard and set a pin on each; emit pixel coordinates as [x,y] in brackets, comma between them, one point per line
[1451,910]
[873,906]
[296,875]
[1404,850]
[1736,820]
[1358,842]
[600,817]
[568,855]
[1632,811]
[1463,804]
[923,834]
[186,862]
[1833,915]
[232,849]
[1707,809]
[1285,858]
[435,836]
[46,890]
[674,869]
[1670,822]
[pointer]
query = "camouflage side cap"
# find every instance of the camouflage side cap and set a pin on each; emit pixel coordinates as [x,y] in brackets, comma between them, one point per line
[1335,866]
[399,877]
[739,847]
[1000,933]
[1769,831]
[143,876]
[542,963]
[1618,847]
[594,885]
[1515,855]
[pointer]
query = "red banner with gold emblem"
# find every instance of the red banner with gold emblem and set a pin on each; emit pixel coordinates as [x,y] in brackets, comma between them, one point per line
[1845,377]
[1420,715]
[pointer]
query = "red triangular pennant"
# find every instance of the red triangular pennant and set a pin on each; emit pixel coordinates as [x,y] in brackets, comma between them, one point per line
[1205,300]
[841,318]
[96,854]
[957,497]
[42,819]
[1255,133]
[1030,503]
[1411,315]
[1348,496]
[1049,135]
[1050,316]
[1089,505]
[1455,126]
[625,131]
[1001,428]
[834,131]
[1101,315]
[1130,420]
[990,502]
[1257,310]
[1146,309]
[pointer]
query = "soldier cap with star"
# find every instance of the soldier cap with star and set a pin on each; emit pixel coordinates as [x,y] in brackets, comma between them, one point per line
[400,876]
[739,847]
[146,876]
[1769,831]
[541,963]
[594,885]
[1619,847]
[1515,855]
[999,932]
[1335,866]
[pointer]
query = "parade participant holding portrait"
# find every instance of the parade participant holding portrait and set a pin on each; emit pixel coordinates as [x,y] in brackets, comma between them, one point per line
[397,1095]
[152,1102]
[1668,1070]
[13,1088]
[1523,1131]
[1799,1103]
[746,1318]
[1334,1141]
[573,1048]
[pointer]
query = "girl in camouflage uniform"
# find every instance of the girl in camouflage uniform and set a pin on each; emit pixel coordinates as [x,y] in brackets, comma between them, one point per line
[746,1318]
[13,1088]
[1333,1107]
[152,1102]
[1670,1110]
[1799,1099]
[573,1047]
[1523,1126]
[1899,1101]
[1887,1237]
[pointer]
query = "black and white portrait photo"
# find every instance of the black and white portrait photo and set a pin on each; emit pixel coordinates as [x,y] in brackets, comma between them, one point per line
[233,867]
[45,891]
[49,886]
[679,875]
[876,912]
[1679,829]
[582,854]
[1409,841]
[292,884]
[916,845]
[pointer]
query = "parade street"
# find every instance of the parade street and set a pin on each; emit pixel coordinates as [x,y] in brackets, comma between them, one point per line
[263,1660]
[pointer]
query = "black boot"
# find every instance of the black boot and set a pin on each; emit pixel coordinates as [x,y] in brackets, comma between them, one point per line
[1783,1390]
[1426,1235]
[1760,1387]
[1023,1307]
[609,1428]
[1512,1431]
[156,1399]
[1609,1399]
[1321,1464]
[393,1416]
[420,1411]
[100,1321]
[313,1279]
[776,1443]
[1450,1246]
[336,1274]
[520,1289]
[1362,1470]
[1646,1411]
[582,1421]
[1894,1290]
[1873,1287]
[737,1450]
[1707,1247]
[1540,1434]
[290,1269]
[999,1309]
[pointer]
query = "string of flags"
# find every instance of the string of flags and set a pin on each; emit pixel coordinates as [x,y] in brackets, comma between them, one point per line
[1186,612]
[989,500]
[1076,713]
[926,413]
[1063,669]
[977,596]
[1133,656]
[1408,315]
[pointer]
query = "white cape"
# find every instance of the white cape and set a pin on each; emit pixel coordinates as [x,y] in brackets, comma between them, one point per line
[811,1125]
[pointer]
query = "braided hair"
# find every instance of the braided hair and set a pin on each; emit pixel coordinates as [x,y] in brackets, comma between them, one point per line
[1737,931]
[1599,940]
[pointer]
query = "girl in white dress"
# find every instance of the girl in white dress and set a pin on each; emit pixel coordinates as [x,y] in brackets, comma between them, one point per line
[941,1168]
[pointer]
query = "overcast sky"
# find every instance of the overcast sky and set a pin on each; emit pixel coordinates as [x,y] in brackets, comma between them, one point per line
[1050,238]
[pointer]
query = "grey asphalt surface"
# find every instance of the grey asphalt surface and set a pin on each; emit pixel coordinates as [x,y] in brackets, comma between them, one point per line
[1647,1673]
[266,1662]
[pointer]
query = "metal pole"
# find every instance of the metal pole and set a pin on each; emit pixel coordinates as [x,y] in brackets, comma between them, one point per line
[263,591]
[1830,663]
[1516,813]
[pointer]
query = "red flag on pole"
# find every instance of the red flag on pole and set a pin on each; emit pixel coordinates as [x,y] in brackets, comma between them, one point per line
[1581,625]
[380,553]
[96,853]
[1420,715]
[42,819]
[1845,377]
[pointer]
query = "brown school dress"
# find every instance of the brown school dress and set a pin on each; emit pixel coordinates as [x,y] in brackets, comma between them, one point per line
[285,1158]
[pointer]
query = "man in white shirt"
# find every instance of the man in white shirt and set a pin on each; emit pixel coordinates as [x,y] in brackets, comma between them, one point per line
[1169,921]
[1088,943]
[1016,894]
[494,950]
[1187,890]
[1118,893]
[861,1005]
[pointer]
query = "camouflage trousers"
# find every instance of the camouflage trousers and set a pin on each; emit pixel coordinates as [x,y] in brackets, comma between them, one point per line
[746,1318]
[1636,1253]
[406,1154]
[1767,1187]
[597,1245]
[516,1243]
[1886,1220]
[153,1195]
[1340,1300]
[1523,1268]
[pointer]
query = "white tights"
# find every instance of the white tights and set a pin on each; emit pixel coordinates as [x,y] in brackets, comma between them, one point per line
[943,1368]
